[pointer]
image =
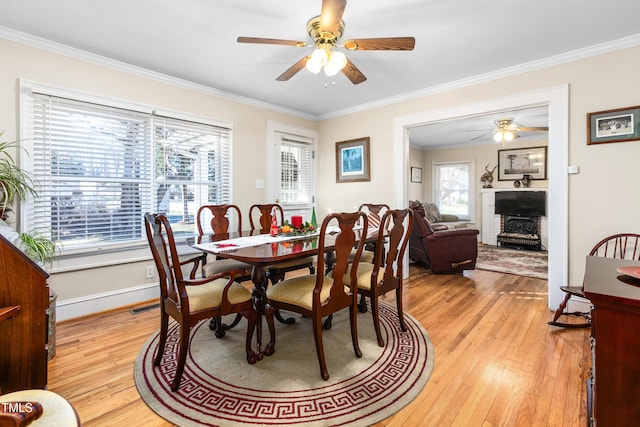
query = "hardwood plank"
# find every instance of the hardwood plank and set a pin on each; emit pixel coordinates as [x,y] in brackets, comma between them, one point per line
[497,362]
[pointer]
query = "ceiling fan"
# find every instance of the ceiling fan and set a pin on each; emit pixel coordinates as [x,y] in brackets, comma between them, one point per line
[325,31]
[507,130]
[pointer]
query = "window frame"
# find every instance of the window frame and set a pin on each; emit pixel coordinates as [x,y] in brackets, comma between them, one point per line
[137,247]
[435,168]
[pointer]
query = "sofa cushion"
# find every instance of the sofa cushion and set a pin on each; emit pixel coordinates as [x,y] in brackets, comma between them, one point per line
[432,213]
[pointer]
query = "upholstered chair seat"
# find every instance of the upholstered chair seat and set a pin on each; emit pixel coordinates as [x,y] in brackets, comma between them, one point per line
[221,265]
[210,294]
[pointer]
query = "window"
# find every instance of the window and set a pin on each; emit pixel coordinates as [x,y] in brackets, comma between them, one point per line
[296,184]
[100,167]
[453,188]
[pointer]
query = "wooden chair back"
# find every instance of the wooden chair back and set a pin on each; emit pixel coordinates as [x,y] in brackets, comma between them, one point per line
[260,216]
[345,240]
[374,212]
[217,217]
[620,246]
[163,249]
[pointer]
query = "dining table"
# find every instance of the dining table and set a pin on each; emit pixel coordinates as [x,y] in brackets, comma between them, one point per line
[260,249]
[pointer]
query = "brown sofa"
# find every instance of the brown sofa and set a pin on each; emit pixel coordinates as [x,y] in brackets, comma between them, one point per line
[445,251]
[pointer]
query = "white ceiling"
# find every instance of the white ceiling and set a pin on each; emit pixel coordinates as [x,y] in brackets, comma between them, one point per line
[195,40]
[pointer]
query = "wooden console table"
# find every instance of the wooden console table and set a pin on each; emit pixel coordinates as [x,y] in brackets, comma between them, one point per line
[615,323]
[24,299]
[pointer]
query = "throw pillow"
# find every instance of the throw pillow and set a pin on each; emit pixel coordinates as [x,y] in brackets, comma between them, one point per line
[432,213]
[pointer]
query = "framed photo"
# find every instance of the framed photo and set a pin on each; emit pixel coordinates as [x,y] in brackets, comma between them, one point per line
[514,163]
[416,174]
[352,160]
[622,124]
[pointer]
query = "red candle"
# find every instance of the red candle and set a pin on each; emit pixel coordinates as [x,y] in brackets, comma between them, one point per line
[296,221]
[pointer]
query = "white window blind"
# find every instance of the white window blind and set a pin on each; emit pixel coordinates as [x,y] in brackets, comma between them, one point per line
[99,168]
[296,179]
[193,169]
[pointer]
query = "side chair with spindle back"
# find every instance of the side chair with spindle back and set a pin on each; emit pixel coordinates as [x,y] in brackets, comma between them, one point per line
[620,246]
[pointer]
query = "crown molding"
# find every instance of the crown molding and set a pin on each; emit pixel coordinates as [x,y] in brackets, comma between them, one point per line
[574,55]
[61,49]
[583,53]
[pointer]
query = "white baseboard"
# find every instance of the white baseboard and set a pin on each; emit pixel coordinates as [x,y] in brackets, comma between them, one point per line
[91,304]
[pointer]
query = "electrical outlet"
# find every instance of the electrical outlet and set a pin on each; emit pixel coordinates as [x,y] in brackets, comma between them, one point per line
[148,271]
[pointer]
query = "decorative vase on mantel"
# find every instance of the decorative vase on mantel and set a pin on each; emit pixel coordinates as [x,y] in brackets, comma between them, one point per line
[526,180]
[516,183]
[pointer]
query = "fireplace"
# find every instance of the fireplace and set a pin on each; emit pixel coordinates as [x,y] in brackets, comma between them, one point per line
[520,232]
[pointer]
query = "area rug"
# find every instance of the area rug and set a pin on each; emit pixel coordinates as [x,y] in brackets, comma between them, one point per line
[219,388]
[520,262]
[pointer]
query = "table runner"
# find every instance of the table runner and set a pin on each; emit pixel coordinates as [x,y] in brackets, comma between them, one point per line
[257,240]
[248,241]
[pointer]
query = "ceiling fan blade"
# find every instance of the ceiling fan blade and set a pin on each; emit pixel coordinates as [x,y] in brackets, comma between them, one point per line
[260,40]
[382,43]
[533,129]
[331,15]
[484,135]
[293,70]
[353,73]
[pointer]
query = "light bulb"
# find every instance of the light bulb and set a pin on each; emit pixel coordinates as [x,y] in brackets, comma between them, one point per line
[508,136]
[336,62]
[317,60]
[497,137]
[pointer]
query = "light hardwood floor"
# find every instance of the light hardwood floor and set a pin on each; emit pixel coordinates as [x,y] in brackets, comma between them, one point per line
[497,362]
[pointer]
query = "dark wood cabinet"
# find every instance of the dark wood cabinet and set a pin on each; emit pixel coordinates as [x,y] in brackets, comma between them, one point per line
[615,331]
[23,338]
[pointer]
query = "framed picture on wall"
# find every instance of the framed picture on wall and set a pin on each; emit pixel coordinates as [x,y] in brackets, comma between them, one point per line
[514,163]
[622,124]
[352,160]
[416,174]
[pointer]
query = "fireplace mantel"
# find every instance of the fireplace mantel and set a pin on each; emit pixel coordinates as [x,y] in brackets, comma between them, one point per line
[491,221]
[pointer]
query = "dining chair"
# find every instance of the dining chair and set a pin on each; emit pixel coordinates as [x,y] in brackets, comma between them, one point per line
[216,219]
[374,214]
[260,216]
[190,300]
[385,273]
[315,296]
[620,246]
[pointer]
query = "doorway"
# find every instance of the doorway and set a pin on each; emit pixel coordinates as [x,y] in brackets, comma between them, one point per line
[557,100]
[291,168]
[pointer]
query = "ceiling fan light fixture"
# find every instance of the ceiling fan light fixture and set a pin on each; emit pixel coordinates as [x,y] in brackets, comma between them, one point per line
[317,60]
[504,135]
[508,135]
[335,63]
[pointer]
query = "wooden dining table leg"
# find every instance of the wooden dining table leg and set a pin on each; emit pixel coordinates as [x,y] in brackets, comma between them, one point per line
[259,294]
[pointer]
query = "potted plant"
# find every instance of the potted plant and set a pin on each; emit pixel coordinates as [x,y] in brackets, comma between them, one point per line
[15,184]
